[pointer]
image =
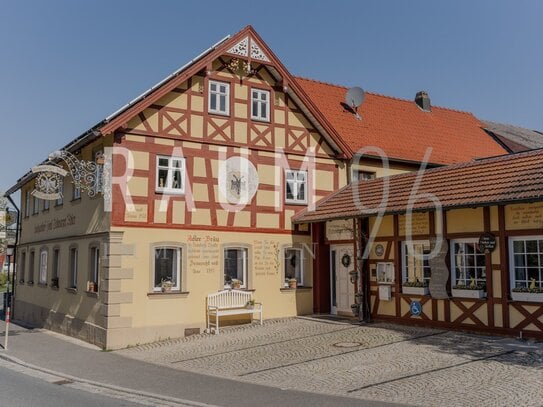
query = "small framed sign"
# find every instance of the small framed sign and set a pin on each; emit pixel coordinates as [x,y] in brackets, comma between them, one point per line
[379,250]
[487,242]
[346,260]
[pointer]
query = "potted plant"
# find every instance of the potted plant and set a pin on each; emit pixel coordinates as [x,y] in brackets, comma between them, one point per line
[91,286]
[250,304]
[471,290]
[416,287]
[532,293]
[235,283]
[292,283]
[166,285]
[54,282]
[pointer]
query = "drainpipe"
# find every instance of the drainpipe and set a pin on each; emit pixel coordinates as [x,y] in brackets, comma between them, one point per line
[17,230]
[364,314]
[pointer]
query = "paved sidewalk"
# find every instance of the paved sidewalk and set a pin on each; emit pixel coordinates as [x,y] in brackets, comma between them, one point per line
[55,355]
[383,362]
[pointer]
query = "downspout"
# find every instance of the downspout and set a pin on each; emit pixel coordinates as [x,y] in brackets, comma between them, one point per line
[12,299]
[364,314]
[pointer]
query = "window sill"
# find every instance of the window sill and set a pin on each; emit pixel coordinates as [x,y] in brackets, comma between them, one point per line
[75,200]
[222,114]
[168,293]
[30,283]
[93,294]
[251,290]
[169,192]
[265,121]
[299,288]
[296,203]
[43,285]
[71,290]
[54,287]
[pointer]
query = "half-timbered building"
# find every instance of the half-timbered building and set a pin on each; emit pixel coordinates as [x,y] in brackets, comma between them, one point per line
[206,171]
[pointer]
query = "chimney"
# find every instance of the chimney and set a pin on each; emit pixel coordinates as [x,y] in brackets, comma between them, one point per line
[423,101]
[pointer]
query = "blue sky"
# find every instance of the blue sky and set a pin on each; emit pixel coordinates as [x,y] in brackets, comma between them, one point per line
[65,65]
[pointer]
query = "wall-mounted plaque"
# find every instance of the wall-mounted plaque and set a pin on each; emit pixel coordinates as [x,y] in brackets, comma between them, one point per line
[487,242]
[346,260]
[379,250]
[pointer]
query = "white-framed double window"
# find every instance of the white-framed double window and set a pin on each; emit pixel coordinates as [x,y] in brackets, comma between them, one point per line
[468,265]
[170,176]
[415,264]
[296,187]
[31,260]
[46,205]
[27,204]
[526,261]
[76,192]
[294,265]
[219,97]
[235,266]
[167,268]
[60,199]
[260,105]
[42,277]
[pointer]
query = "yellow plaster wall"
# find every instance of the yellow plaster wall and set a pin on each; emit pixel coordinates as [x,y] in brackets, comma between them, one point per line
[265,275]
[524,216]
[465,220]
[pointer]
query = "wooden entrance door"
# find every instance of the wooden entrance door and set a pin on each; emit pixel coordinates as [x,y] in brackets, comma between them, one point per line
[342,290]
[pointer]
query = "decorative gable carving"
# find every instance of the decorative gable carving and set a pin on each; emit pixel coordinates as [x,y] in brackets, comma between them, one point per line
[256,53]
[242,49]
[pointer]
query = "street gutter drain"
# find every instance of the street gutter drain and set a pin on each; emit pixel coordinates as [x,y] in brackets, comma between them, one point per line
[347,344]
[64,381]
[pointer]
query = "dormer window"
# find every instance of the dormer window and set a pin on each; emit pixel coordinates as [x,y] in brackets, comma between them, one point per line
[260,105]
[219,98]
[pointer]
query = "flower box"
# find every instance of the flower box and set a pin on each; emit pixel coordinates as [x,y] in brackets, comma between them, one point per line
[526,296]
[468,293]
[415,290]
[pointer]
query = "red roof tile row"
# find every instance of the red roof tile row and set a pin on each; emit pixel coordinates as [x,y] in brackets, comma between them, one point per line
[402,129]
[504,179]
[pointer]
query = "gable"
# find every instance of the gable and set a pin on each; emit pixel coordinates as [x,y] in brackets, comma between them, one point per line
[183,112]
[177,107]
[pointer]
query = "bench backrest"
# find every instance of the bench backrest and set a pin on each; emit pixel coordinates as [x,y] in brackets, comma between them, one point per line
[228,299]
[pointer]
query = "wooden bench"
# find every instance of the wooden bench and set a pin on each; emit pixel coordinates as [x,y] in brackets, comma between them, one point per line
[230,302]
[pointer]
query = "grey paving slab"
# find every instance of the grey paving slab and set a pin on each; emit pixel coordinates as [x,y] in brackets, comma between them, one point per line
[381,362]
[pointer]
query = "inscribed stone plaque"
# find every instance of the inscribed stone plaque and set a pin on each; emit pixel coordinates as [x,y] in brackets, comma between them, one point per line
[440,272]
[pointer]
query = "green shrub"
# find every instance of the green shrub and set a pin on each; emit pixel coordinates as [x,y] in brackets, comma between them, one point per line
[3,279]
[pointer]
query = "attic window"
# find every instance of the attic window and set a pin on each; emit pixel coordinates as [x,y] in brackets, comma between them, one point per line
[219,98]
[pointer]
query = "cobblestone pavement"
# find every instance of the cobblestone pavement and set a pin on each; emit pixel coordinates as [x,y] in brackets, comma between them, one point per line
[417,366]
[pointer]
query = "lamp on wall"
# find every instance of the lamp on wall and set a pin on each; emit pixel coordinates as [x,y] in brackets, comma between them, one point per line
[10,250]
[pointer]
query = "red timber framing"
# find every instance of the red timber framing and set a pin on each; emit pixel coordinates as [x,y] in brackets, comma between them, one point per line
[287,81]
[467,312]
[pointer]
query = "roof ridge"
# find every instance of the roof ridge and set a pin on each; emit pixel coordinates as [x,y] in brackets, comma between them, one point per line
[400,99]
[485,122]
[476,161]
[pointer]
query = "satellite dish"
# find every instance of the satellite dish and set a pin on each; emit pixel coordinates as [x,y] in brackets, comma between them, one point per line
[354,98]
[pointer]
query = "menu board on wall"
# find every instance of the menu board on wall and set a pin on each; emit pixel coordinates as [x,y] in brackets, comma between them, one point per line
[203,254]
[339,229]
[419,224]
[525,216]
[266,257]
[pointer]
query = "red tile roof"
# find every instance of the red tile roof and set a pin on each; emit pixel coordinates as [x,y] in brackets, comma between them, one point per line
[504,179]
[401,128]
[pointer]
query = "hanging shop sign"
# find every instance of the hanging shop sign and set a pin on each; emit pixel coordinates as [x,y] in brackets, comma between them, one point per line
[487,242]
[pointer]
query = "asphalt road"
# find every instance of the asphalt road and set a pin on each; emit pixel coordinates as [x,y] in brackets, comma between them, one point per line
[20,390]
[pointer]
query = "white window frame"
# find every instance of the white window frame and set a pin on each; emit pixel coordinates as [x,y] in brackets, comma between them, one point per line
[46,205]
[76,193]
[295,183]
[261,105]
[94,254]
[245,263]
[404,262]
[178,250]
[454,276]
[42,277]
[73,259]
[300,254]
[35,206]
[169,177]
[217,94]
[512,278]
